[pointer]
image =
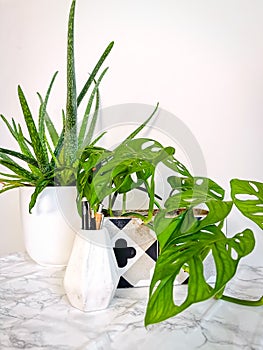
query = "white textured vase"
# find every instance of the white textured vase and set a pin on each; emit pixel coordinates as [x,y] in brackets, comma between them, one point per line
[49,231]
[92,275]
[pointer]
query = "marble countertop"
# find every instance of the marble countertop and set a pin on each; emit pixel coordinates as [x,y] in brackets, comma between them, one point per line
[35,314]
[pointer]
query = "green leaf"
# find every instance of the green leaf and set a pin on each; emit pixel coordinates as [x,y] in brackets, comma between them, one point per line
[11,187]
[84,123]
[191,250]
[18,155]
[248,198]
[40,186]
[199,184]
[12,131]
[134,156]
[24,144]
[18,170]
[71,106]
[136,131]
[174,164]
[51,130]
[17,133]
[94,72]
[169,227]
[36,142]
[43,112]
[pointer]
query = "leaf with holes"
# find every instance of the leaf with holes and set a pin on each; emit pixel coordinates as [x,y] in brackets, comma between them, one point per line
[191,250]
[128,166]
[248,198]
[169,228]
[199,184]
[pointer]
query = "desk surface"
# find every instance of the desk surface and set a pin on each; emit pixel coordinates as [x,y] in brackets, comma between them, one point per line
[35,314]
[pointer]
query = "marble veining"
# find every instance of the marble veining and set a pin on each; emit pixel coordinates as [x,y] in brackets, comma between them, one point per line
[35,314]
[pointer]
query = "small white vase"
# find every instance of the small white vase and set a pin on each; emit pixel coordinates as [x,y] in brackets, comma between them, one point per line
[92,275]
[49,231]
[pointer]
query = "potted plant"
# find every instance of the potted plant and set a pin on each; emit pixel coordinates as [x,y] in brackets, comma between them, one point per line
[45,162]
[184,240]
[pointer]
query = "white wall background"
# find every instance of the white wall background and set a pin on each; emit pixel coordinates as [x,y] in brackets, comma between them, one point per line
[202,60]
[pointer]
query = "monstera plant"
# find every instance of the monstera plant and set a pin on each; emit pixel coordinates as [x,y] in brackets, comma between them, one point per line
[185,241]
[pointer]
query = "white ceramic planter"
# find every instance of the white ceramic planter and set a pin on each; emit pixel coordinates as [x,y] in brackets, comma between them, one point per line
[49,231]
[91,276]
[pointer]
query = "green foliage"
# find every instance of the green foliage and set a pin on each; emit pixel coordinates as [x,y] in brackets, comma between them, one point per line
[130,165]
[248,198]
[191,250]
[185,242]
[47,157]
[38,163]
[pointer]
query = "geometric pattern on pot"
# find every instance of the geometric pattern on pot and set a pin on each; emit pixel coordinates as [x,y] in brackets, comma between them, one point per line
[135,248]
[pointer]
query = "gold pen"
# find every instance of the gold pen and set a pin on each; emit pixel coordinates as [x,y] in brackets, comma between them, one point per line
[99,217]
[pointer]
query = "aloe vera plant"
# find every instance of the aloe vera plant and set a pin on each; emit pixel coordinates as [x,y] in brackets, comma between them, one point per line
[37,162]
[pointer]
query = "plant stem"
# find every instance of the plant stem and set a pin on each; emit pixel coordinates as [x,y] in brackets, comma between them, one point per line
[124,197]
[258,302]
[110,205]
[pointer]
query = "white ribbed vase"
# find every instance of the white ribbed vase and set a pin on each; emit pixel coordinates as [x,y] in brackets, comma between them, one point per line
[92,275]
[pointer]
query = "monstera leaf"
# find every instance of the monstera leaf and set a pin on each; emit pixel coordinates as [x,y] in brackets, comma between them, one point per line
[168,229]
[191,250]
[190,193]
[138,157]
[198,185]
[248,198]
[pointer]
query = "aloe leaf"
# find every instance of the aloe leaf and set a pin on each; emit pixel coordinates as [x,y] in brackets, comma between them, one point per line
[11,176]
[248,198]
[60,144]
[54,159]
[88,138]
[18,155]
[16,132]
[40,186]
[87,113]
[23,144]
[12,131]
[13,182]
[23,138]
[51,130]
[71,106]
[93,73]
[11,187]
[189,250]
[50,126]
[36,142]
[42,112]
[21,172]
